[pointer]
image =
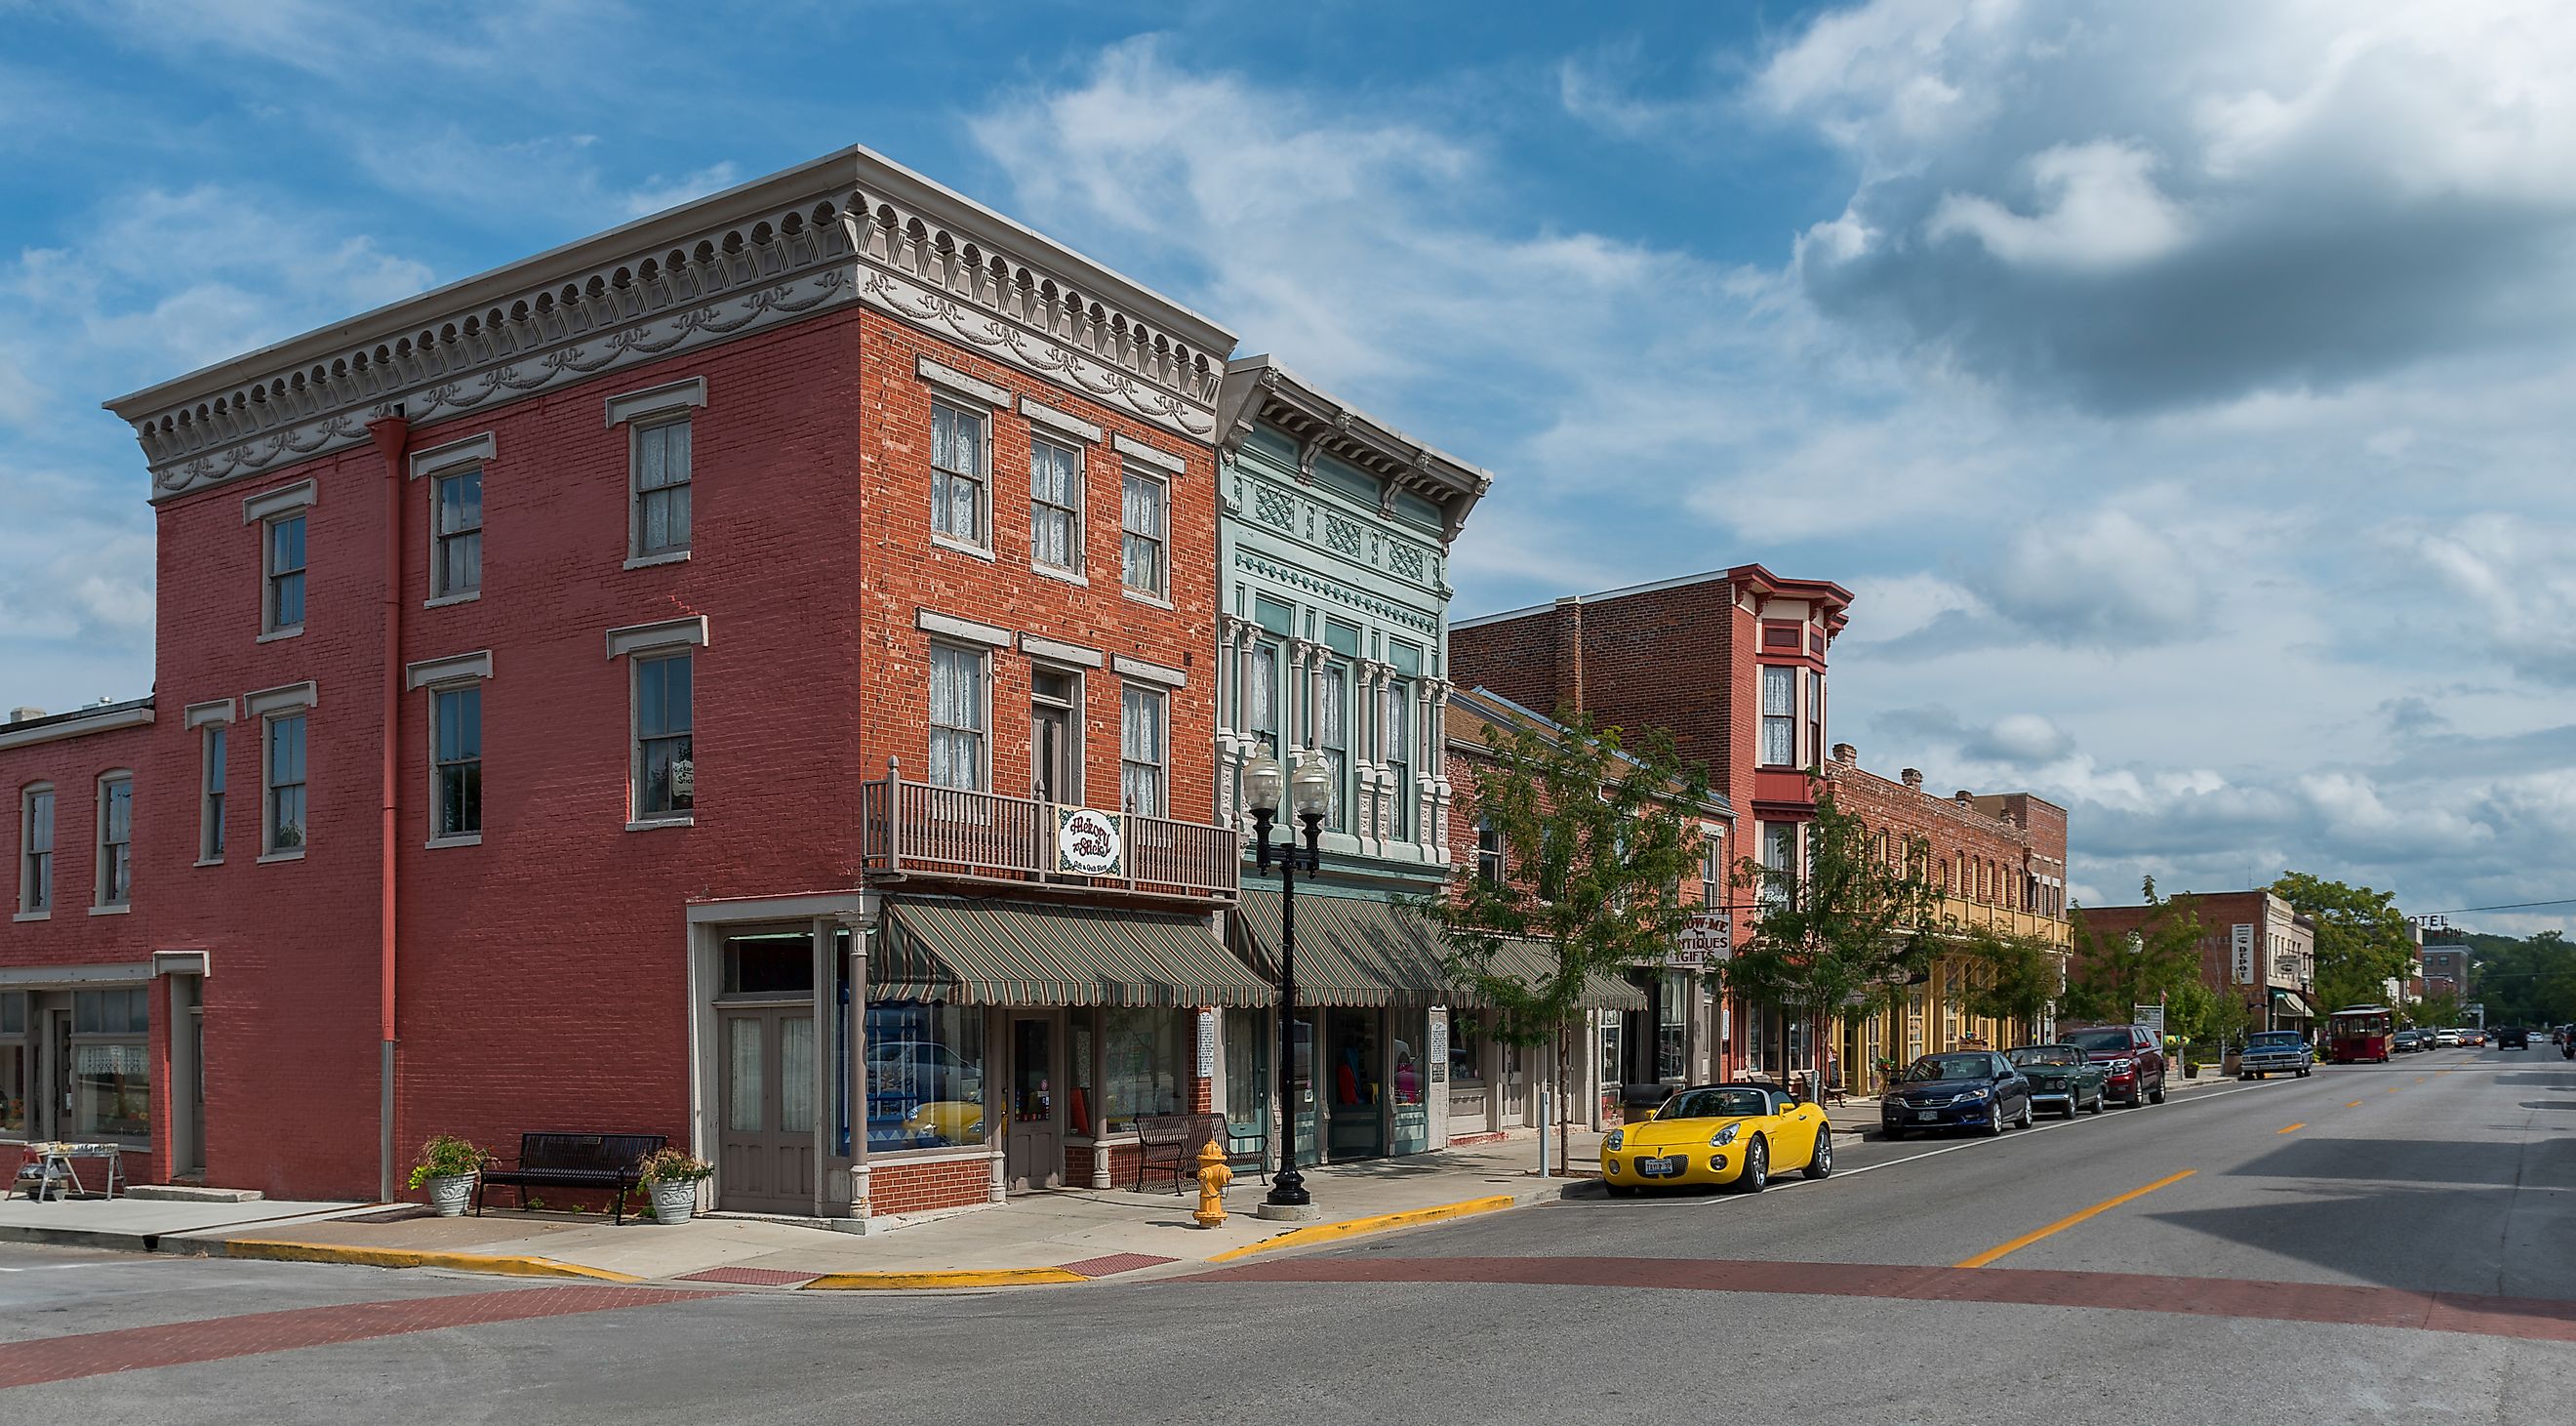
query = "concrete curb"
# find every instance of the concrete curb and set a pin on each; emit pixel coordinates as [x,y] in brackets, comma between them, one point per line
[1377,1223]
[281,1250]
[964,1277]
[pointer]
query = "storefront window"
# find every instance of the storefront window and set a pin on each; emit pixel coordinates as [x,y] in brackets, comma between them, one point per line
[1466,1048]
[1141,1072]
[1672,1029]
[1080,1044]
[13,1062]
[925,1075]
[1247,1070]
[111,1071]
[1410,1081]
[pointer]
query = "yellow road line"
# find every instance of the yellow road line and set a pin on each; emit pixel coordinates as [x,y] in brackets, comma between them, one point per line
[2395,1087]
[1349,1228]
[901,1281]
[2356,1104]
[2295,1127]
[2025,1240]
[278,1250]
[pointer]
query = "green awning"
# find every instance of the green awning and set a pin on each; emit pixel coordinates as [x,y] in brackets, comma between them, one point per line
[2289,1003]
[1363,951]
[974,952]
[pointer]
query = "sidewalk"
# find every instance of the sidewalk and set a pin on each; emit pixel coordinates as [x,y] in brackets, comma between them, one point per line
[1054,1236]
[138,1225]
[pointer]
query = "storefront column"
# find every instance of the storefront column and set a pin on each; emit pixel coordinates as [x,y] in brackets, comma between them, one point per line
[1435,1076]
[997,1038]
[861,928]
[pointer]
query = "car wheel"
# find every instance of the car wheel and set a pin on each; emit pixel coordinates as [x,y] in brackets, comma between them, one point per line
[1995,1122]
[1757,1167]
[1820,1164]
[2026,1115]
[2101,1101]
[2157,1094]
[2303,1074]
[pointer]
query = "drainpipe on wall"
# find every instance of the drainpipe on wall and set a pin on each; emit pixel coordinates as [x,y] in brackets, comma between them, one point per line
[392,434]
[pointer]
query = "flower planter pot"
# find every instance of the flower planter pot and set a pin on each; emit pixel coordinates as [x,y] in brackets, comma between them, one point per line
[675,1201]
[449,1193]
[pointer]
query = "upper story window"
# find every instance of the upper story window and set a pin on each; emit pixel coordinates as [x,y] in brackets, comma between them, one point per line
[1489,852]
[36,850]
[1333,740]
[957,717]
[1712,870]
[1144,515]
[1395,726]
[1142,772]
[283,828]
[959,452]
[115,840]
[1779,854]
[1261,695]
[283,610]
[665,762]
[1779,715]
[456,533]
[1055,504]
[661,459]
[210,812]
[1815,719]
[456,761]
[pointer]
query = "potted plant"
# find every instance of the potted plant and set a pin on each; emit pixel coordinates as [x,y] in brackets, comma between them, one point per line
[447,1168]
[672,1176]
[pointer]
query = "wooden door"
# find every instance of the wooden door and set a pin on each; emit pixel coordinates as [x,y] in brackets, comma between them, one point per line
[1034,1149]
[1051,776]
[766,1151]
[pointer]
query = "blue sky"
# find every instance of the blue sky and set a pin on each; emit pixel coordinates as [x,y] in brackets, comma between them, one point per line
[2184,389]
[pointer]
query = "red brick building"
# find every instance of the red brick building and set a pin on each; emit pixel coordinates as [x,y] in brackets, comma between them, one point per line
[1998,860]
[648,698]
[2254,947]
[1732,662]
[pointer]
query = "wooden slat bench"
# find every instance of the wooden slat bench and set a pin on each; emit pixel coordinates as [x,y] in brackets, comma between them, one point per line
[1172,1142]
[558,1160]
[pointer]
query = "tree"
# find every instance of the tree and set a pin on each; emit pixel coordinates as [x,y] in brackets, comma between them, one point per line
[1847,931]
[2005,976]
[2115,974]
[2362,939]
[2438,1010]
[1598,836]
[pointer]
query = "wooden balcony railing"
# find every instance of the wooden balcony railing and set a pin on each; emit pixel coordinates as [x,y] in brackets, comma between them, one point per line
[918,829]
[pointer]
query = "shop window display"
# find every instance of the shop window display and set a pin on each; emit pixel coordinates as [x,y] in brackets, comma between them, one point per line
[925,1076]
[1141,1066]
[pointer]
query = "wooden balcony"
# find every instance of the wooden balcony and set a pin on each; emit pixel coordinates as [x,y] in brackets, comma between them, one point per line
[915,829]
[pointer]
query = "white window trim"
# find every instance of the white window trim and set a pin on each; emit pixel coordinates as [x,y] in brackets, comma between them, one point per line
[1054,651]
[436,599]
[672,414]
[199,715]
[1136,450]
[99,905]
[973,388]
[984,482]
[1063,422]
[667,634]
[440,459]
[1161,696]
[460,674]
[285,500]
[455,668]
[201,720]
[285,698]
[1144,672]
[27,795]
[955,630]
[1162,541]
[669,399]
[638,820]
[1077,572]
[269,630]
[982,652]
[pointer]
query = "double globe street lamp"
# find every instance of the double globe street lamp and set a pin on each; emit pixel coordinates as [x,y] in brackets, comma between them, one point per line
[1310,792]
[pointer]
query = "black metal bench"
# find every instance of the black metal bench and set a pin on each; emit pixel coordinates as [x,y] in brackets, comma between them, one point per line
[607,1161]
[1172,1142]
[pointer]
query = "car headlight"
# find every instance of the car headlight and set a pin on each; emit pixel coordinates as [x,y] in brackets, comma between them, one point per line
[1978,1094]
[1617,1137]
[1723,1137]
[2123,1066]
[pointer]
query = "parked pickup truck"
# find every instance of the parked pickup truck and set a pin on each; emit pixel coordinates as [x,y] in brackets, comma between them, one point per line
[2271,1052]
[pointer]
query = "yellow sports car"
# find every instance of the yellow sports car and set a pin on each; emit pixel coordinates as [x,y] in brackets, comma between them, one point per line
[1737,1134]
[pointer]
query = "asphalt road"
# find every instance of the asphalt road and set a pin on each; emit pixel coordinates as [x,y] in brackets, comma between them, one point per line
[2383,1243]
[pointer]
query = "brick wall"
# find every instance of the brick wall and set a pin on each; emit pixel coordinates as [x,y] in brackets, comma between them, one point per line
[898,1187]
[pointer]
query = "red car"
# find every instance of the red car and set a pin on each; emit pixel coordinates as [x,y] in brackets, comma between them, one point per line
[2135,1065]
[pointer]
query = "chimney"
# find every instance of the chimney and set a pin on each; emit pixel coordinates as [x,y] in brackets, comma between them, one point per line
[1846,754]
[25,715]
[1569,652]
[1964,797]
[1913,778]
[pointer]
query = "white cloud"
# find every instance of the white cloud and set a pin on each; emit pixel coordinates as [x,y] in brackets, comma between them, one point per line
[2100,211]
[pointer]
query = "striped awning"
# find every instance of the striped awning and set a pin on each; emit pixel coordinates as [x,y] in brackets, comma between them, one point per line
[975,952]
[1363,951]
[2289,1003]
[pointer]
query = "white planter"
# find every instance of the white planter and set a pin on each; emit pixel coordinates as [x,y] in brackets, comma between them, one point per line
[673,1202]
[449,1193]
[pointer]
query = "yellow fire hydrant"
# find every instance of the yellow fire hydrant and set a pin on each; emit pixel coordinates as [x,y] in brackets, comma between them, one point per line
[1213,1177]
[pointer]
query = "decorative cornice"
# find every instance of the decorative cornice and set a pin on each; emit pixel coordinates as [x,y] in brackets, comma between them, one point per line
[852,226]
[1276,572]
[1258,388]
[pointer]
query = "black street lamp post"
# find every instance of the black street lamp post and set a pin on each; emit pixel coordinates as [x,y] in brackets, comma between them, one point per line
[1310,792]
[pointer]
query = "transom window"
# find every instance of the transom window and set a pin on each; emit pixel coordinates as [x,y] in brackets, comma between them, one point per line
[284,598]
[661,459]
[666,783]
[1143,522]
[285,822]
[456,761]
[1141,768]
[957,721]
[456,539]
[36,850]
[115,840]
[1055,504]
[958,455]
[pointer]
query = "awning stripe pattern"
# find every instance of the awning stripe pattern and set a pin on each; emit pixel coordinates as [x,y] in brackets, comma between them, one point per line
[1365,952]
[2291,1001]
[975,952]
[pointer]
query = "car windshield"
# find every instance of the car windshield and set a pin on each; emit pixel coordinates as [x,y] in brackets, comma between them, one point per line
[2276,1040]
[1932,1067]
[2098,1041]
[1715,1104]
[2047,1055]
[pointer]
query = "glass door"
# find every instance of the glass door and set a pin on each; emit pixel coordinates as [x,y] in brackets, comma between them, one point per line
[1034,1150]
[767,1149]
[1357,1127]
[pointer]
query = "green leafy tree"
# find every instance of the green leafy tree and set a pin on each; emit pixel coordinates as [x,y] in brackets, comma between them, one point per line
[2438,1010]
[1599,831]
[2362,938]
[2115,973]
[2004,975]
[1844,933]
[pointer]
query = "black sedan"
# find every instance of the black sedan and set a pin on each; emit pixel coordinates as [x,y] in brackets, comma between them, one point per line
[1968,1089]
[2063,1077]
[2513,1037]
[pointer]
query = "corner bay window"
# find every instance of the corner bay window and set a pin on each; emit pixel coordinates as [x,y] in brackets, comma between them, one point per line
[1779,715]
[925,1066]
[666,783]
[111,1090]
